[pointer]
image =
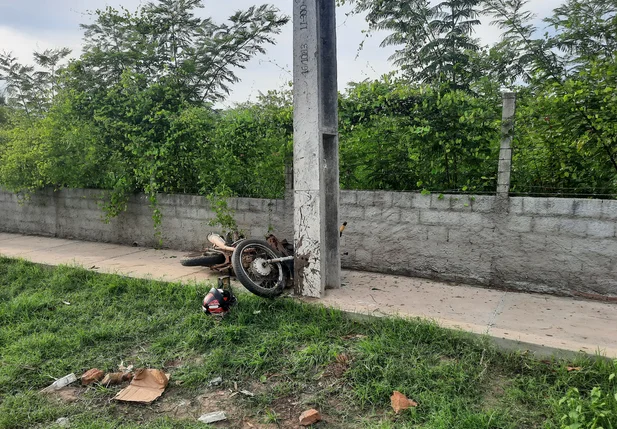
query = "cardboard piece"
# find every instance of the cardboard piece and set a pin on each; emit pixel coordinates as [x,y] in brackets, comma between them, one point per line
[147,385]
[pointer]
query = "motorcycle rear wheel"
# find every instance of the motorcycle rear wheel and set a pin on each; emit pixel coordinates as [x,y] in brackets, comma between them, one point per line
[252,269]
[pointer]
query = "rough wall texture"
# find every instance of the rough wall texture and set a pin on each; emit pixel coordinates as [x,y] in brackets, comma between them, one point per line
[555,245]
[77,213]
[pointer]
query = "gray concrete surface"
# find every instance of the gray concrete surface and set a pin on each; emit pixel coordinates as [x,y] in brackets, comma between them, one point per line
[77,213]
[316,166]
[546,245]
[542,323]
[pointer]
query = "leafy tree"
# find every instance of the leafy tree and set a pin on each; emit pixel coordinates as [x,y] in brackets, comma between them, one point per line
[435,42]
[521,54]
[565,140]
[4,112]
[574,66]
[56,150]
[250,147]
[165,41]
[495,66]
[134,112]
[585,32]
[398,136]
[32,87]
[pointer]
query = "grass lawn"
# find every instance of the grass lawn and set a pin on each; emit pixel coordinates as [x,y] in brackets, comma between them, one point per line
[292,356]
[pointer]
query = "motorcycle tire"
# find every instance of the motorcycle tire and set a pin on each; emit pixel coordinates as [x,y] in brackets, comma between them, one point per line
[205,259]
[249,262]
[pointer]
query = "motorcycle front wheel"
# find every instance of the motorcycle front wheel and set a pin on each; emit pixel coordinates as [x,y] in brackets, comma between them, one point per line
[251,265]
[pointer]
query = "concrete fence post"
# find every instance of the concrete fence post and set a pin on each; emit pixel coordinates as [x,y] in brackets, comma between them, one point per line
[505,153]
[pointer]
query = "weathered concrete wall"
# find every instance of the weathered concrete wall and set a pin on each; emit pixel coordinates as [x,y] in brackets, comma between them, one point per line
[555,245]
[77,213]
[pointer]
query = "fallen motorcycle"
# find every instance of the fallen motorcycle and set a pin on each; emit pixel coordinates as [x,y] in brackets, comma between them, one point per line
[263,267]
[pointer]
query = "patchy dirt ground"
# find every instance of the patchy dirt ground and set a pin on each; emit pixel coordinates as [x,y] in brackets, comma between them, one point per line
[261,409]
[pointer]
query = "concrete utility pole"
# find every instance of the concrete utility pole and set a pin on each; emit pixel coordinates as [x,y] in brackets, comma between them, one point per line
[507,135]
[316,172]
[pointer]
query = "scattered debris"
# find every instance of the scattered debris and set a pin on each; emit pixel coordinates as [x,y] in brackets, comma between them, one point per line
[309,417]
[66,303]
[353,337]
[123,368]
[60,383]
[217,416]
[400,402]
[247,393]
[343,359]
[574,368]
[338,368]
[63,422]
[215,382]
[116,378]
[256,312]
[147,385]
[94,267]
[92,376]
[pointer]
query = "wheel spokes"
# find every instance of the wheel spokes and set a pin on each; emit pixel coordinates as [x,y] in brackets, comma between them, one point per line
[254,260]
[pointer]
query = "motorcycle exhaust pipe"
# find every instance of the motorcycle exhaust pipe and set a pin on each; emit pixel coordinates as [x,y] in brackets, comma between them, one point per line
[219,242]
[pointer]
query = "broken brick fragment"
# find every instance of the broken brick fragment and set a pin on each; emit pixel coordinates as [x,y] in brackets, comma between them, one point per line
[92,376]
[309,417]
[400,402]
[116,378]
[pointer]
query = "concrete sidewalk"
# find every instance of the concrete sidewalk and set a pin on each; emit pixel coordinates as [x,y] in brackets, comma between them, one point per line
[541,323]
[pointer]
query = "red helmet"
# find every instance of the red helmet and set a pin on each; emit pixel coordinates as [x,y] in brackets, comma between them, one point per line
[218,301]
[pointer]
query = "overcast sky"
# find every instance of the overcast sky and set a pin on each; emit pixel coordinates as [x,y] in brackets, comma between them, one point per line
[27,25]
